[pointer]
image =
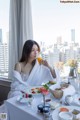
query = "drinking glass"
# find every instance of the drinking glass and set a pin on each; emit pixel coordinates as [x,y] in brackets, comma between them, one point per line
[77,84]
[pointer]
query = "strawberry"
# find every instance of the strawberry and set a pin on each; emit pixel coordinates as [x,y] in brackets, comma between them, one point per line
[33,92]
[26,95]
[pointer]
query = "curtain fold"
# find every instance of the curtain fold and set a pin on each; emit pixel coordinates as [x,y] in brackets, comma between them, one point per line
[20,29]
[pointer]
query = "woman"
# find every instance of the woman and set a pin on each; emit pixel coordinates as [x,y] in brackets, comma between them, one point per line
[28,71]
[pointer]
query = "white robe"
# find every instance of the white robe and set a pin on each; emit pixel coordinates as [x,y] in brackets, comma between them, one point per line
[38,75]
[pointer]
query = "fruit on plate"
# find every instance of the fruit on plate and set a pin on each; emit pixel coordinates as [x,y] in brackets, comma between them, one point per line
[63,109]
[26,95]
[43,89]
[48,84]
[35,90]
[51,82]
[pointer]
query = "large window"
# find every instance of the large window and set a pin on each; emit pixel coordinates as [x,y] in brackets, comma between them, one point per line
[4,37]
[56,26]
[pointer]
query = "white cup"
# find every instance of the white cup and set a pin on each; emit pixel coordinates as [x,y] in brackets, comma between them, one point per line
[68,99]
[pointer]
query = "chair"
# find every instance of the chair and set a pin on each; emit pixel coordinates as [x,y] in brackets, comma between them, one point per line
[4,90]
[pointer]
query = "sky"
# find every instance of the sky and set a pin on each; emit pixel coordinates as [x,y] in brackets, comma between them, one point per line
[52,19]
[4,13]
[4,17]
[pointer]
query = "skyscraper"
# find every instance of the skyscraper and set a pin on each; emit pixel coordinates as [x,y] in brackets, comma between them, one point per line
[3,58]
[0,35]
[59,40]
[73,35]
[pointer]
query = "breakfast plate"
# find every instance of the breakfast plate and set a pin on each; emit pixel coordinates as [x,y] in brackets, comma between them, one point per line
[49,83]
[65,116]
[56,114]
[23,100]
[35,90]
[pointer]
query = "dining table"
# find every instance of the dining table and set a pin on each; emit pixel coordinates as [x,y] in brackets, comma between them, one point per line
[22,111]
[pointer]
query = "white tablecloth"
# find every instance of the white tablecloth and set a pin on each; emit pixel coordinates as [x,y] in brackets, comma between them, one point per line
[55,114]
[18,111]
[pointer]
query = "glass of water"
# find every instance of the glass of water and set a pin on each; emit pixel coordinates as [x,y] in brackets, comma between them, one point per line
[77,84]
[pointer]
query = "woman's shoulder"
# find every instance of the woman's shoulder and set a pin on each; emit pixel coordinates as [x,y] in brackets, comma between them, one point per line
[18,67]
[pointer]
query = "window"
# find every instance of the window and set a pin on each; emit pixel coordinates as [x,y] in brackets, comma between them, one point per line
[56,26]
[4,37]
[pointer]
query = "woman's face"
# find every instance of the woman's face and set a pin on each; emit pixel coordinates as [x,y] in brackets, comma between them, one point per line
[34,52]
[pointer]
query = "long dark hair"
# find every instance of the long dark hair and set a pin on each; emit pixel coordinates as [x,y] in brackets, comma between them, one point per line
[27,50]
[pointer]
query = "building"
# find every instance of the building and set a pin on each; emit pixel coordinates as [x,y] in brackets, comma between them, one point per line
[0,35]
[73,35]
[3,58]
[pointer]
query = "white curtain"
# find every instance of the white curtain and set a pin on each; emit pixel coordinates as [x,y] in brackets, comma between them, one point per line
[20,27]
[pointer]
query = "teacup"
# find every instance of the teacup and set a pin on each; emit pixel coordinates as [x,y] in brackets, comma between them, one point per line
[68,99]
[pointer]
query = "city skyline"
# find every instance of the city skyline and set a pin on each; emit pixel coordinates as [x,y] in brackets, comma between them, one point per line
[52,19]
[5,38]
[53,54]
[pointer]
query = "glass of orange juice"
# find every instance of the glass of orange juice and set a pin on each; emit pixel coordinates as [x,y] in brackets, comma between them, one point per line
[39,59]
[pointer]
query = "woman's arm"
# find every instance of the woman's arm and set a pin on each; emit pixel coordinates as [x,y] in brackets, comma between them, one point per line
[44,62]
[53,72]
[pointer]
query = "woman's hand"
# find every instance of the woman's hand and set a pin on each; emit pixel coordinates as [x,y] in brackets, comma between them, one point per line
[44,62]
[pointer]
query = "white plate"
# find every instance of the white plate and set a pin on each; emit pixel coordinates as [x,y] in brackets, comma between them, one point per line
[24,100]
[49,83]
[65,116]
[76,99]
[55,114]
